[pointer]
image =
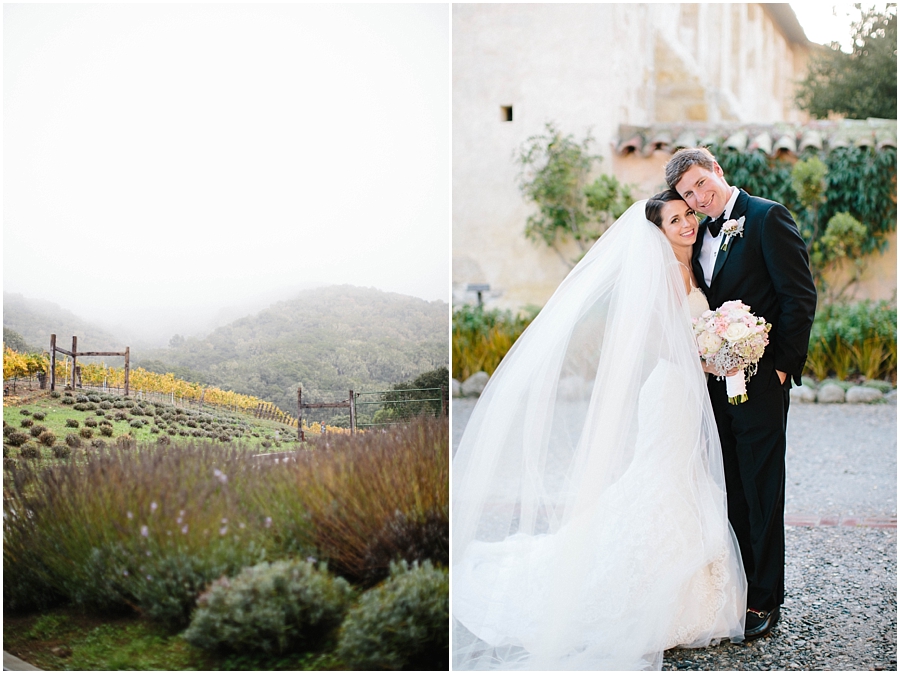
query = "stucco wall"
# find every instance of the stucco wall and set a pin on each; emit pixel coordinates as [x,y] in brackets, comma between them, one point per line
[587,66]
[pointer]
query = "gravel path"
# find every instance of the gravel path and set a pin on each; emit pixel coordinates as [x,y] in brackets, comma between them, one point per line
[840,610]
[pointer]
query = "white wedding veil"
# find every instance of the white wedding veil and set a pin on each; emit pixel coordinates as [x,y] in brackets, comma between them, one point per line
[588,494]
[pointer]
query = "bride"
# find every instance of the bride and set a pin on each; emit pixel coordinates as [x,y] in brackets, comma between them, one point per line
[589,516]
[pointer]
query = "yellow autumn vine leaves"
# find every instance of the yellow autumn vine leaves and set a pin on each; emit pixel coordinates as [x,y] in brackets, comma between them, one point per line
[17,364]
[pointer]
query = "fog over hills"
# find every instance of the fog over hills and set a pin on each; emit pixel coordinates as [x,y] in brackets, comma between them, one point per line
[35,320]
[328,340]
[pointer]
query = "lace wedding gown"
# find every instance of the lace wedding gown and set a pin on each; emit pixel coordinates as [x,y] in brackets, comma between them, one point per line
[590,529]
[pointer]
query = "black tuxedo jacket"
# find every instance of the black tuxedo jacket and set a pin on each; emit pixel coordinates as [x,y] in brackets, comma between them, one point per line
[768,269]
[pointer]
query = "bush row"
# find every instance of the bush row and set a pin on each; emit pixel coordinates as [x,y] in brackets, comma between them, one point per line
[290,606]
[152,529]
[846,339]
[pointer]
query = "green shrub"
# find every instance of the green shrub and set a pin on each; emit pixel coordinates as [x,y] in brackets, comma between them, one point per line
[26,423]
[90,423]
[843,384]
[849,338]
[86,433]
[68,400]
[106,405]
[40,416]
[168,585]
[55,394]
[72,423]
[136,423]
[36,430]
[106,431]
[481,337]
[30,451]
[6,451]
[61,451]
[81,407]
[98,443]
[883,386]
[401,624]
[94,398]
[48,438]
[277,608]
[73,440]
[24,412]
[16,439]
[81,399]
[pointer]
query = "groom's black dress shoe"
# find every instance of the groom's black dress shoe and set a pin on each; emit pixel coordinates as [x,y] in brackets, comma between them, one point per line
[760,623]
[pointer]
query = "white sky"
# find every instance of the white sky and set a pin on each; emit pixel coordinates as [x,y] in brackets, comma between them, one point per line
[164,160]
[825,22]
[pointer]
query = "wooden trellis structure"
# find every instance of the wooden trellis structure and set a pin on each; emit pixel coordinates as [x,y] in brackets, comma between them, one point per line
[74,355]
[349,404]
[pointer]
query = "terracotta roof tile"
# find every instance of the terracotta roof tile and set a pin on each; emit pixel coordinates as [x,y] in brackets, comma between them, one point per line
[791,139]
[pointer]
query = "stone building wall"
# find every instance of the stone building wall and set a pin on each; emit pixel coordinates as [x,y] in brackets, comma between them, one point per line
[592,67]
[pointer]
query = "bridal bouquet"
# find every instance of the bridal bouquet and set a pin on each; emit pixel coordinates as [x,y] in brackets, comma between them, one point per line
[731,337]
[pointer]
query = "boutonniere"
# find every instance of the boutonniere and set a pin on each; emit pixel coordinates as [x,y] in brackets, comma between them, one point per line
[731,229]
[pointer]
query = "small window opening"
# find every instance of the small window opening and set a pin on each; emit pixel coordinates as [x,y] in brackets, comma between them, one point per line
[505,113]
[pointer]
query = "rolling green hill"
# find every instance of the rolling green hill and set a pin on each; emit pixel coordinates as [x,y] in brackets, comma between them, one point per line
[327,340]
[36,320]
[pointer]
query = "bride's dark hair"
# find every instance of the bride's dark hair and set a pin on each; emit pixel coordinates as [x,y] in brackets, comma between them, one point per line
[653,209]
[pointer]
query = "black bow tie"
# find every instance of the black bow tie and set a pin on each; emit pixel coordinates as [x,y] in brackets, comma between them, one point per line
[715,225]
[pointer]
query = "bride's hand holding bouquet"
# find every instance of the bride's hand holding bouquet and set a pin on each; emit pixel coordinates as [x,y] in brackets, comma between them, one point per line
[732,340]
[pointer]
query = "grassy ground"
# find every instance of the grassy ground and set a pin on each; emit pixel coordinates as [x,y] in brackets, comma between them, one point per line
[67,639]
[200,508]
[258,435]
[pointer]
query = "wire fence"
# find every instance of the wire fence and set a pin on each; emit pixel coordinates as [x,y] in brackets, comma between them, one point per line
[399,406]
[387,409]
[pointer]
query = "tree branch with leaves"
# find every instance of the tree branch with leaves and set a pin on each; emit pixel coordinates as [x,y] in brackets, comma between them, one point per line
[554,175]
[861,84]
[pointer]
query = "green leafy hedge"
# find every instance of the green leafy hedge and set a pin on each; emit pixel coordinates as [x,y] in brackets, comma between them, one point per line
[861,181]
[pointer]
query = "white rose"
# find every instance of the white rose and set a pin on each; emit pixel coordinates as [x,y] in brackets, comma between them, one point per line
[709,343]
[736,332]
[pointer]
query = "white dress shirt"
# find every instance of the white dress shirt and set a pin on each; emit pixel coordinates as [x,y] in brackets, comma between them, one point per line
[709,251]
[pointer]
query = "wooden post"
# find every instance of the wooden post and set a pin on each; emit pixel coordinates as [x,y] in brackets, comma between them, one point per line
[352,413]
[127,366]
[74,359]
[52,362]
[443,401]
[299,414]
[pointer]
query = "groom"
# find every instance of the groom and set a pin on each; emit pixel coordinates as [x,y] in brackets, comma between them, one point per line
[766,267]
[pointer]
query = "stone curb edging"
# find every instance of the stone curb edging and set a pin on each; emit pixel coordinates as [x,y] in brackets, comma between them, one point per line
[13,664]
[838,521]
[863,395]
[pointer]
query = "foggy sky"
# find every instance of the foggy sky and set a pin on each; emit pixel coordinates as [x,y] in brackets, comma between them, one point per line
[163,162]
[827,22]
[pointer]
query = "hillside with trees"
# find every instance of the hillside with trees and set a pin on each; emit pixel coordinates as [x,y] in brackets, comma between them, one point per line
[327,340]
[35,320]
